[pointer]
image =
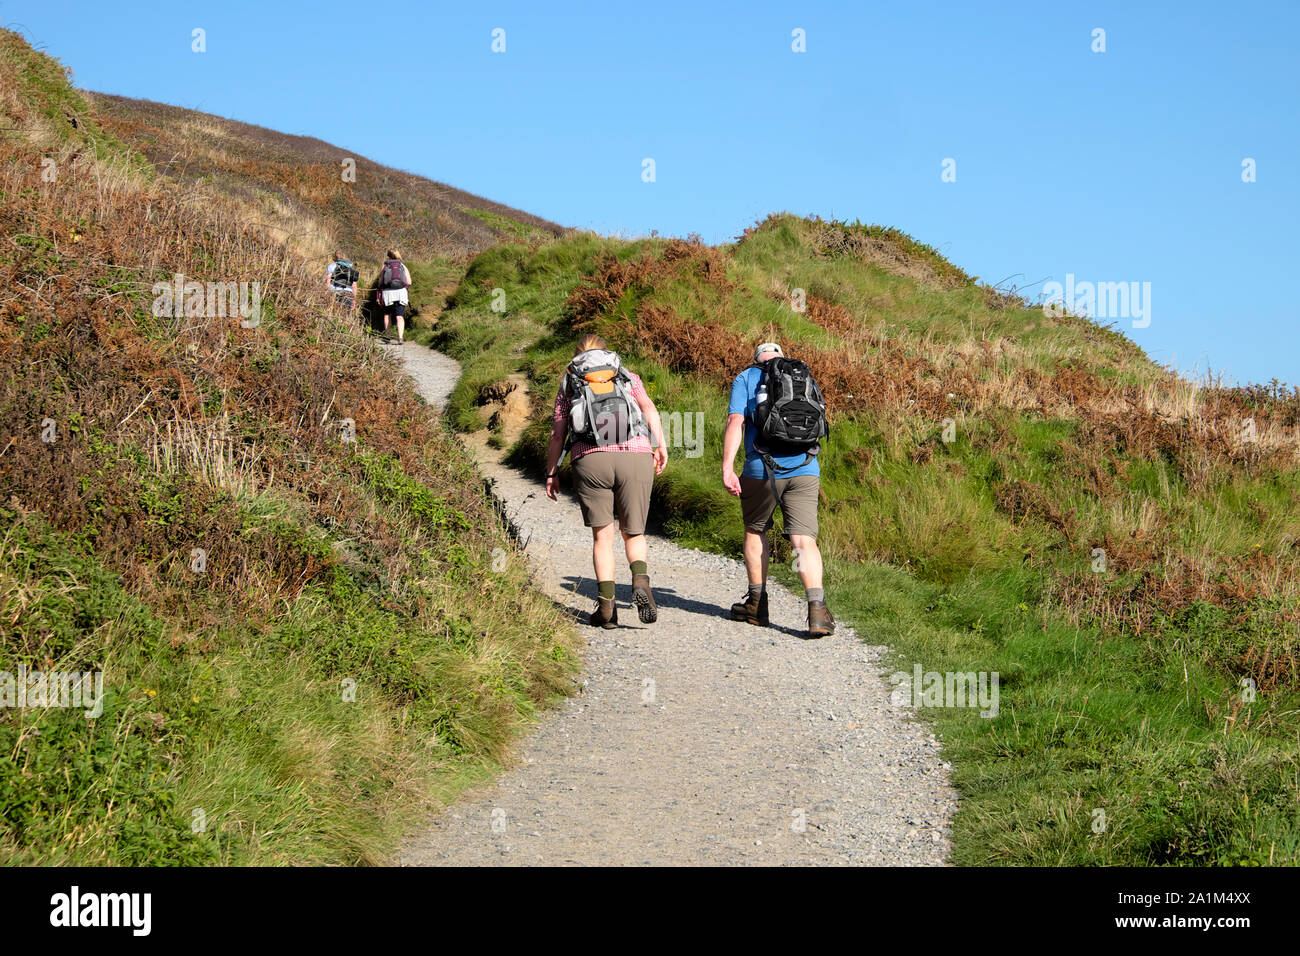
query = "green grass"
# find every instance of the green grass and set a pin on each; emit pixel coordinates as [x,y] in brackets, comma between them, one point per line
[784,251]
[1084,724]
[507,227]
[246,725]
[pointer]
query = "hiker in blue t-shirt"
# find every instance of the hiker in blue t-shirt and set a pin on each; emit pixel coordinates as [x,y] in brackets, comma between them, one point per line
[794,487]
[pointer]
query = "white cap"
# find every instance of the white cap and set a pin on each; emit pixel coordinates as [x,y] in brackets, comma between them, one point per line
[766,347]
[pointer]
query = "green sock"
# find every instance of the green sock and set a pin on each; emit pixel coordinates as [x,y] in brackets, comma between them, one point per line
[605,589]
[639,567]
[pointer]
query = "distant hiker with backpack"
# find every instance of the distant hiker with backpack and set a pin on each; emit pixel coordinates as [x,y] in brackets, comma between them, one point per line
[612,432]
[779,410]
[342,276]
[394,281]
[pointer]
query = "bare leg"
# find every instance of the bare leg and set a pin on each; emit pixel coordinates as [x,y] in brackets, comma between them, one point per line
[602,552]
[635,546]
[809,560]
[757,551]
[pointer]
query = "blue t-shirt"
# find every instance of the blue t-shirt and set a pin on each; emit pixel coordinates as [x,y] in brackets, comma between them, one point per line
[744,396]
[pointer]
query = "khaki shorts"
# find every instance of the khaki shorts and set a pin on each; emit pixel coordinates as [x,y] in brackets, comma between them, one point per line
[797,497]
[609,481]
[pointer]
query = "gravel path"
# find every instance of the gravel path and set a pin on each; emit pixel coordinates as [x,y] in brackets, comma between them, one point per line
[435,374]
[694,740]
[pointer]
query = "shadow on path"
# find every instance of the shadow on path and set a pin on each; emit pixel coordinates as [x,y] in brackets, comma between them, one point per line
[665,598]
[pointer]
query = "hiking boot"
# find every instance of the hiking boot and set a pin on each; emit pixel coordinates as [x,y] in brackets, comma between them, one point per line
[604,614]
[752,610]
[644,599]
[820,622]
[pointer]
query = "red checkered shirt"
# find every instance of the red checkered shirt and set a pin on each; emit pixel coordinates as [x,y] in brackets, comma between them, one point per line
[637,443]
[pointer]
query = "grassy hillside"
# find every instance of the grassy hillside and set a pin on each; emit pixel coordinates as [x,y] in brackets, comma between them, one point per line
[1117,543]
[308,620]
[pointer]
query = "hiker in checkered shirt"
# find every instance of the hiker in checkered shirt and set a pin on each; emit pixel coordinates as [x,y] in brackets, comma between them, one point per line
[616,446]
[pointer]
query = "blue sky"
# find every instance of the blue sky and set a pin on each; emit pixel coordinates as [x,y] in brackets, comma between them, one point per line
[1122,166]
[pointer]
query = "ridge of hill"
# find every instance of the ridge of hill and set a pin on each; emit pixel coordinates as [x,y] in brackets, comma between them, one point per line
[323,194]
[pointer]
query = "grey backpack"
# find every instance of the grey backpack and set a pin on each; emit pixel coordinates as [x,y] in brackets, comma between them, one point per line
[602,409]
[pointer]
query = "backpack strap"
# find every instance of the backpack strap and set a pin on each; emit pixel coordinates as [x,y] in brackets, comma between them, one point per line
[763,370]
[770,467]
[567,386]
[638,419]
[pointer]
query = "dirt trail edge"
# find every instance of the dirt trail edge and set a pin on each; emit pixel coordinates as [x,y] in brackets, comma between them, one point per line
[694,740]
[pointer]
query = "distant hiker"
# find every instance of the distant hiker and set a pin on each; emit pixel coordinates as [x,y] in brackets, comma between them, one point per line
[616,444]
[342,276]
[781,412]
[394,280]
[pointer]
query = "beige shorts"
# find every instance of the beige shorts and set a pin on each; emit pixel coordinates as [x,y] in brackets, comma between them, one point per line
[615,481]
[797,497]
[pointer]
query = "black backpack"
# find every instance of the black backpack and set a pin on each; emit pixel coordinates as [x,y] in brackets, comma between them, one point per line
[344,274]
[789,414]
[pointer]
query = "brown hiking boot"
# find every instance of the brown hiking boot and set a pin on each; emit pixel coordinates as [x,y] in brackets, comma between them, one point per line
[820,622]
[604,614]
[752,610]
[644,599]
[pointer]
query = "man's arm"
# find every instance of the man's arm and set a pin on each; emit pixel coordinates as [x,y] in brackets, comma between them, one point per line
[731,441]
